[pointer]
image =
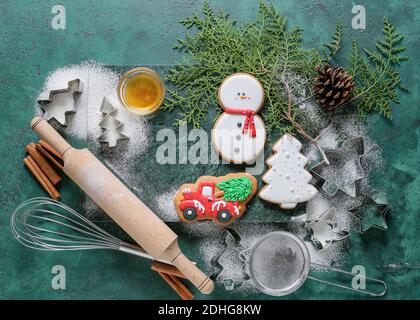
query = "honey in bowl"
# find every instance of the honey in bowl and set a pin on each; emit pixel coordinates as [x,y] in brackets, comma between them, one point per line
[141,91]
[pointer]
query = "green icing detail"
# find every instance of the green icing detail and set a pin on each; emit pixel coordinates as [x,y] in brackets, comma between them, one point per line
[236,189]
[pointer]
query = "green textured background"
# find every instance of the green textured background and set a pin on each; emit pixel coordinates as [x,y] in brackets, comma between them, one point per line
[142,32]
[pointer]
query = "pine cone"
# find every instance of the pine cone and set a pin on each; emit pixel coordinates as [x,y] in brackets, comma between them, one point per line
[333,86]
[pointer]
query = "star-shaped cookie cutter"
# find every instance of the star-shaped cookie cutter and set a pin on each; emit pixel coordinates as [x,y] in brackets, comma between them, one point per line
[373,208]
[55,109]
[324,231]
[331,173]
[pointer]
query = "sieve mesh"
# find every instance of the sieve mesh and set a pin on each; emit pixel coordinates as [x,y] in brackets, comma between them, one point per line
[279,263]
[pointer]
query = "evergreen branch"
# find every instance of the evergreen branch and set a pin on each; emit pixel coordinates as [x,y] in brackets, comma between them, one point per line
[335,44]
[375,79]
[217,47]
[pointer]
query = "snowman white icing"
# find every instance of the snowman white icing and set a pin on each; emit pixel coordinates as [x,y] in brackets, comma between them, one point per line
[239,134]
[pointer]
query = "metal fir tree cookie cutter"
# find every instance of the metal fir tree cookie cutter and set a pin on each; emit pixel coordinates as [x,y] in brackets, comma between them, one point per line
[57,105]
[111,126]
[338,175]
[230,239]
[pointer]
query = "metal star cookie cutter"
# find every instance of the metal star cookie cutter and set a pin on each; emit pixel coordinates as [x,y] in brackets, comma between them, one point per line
[229,283]
[111,126]
[374,210]
[335,176]
[55,107]
[324,231]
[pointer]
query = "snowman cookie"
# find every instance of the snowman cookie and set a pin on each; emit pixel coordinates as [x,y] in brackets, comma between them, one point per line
[239,134]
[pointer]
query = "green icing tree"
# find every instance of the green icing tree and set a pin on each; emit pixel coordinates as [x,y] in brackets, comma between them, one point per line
[236,189]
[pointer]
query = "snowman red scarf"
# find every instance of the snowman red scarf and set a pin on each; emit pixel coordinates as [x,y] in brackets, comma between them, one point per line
[249,120]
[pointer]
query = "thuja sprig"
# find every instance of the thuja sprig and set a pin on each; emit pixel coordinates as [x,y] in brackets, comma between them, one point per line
[334,45]
[267,48]
[216,47]
[376,78]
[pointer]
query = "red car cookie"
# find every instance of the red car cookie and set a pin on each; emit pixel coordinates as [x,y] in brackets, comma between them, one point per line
[221,199]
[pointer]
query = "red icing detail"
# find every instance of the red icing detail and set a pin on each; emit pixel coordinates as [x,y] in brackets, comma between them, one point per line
[249,124]
[207,202]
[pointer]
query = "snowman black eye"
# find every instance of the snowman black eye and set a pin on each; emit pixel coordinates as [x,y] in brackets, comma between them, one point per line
[239,93]
[243,94]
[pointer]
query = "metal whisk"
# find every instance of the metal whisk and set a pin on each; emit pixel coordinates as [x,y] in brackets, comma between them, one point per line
[46,224]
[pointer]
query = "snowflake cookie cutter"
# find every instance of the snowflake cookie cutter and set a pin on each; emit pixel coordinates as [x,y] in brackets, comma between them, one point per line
[55,108]
[229,235]
[334,174]
[111,126]
[371,213]
[323,231]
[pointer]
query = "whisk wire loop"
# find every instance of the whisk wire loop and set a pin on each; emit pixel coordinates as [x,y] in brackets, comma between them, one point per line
[46,224]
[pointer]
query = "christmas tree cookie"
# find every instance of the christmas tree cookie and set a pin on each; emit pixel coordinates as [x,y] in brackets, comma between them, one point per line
[287,180]
[221,199]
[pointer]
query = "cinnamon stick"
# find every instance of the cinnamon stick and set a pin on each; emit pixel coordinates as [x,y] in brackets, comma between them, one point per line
[178,286]
[50,149]
[166,268]
[49,156]
[41,177]
[40,160]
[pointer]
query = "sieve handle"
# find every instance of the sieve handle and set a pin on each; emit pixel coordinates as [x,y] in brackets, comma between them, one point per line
[371,293]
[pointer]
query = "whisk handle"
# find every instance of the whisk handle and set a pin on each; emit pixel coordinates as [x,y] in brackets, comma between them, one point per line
[134,250]
[139,251]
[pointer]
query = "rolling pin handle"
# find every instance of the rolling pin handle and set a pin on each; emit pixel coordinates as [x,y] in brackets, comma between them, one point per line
[203,283]
[167,249]
[47,133]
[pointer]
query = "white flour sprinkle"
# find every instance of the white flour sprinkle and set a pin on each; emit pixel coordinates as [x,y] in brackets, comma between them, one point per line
[99,82]
[334,255]
[58,79]
[165,206]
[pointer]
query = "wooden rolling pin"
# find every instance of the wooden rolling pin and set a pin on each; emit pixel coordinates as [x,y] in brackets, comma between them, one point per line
[109,193]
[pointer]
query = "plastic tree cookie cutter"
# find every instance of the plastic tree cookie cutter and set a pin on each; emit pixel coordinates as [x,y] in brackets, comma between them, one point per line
[323,231]
[344,169]
[371,213]
[62,102]
[110,125]
[279,264]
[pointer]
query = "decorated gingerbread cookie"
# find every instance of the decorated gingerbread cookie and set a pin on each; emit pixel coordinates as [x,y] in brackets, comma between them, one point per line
[239,134]
[287,180]
[221,199]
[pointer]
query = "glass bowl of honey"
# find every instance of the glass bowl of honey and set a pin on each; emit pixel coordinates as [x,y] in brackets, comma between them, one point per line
[141,91]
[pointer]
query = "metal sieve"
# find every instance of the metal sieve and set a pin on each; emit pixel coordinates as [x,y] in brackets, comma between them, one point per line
[279,263]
